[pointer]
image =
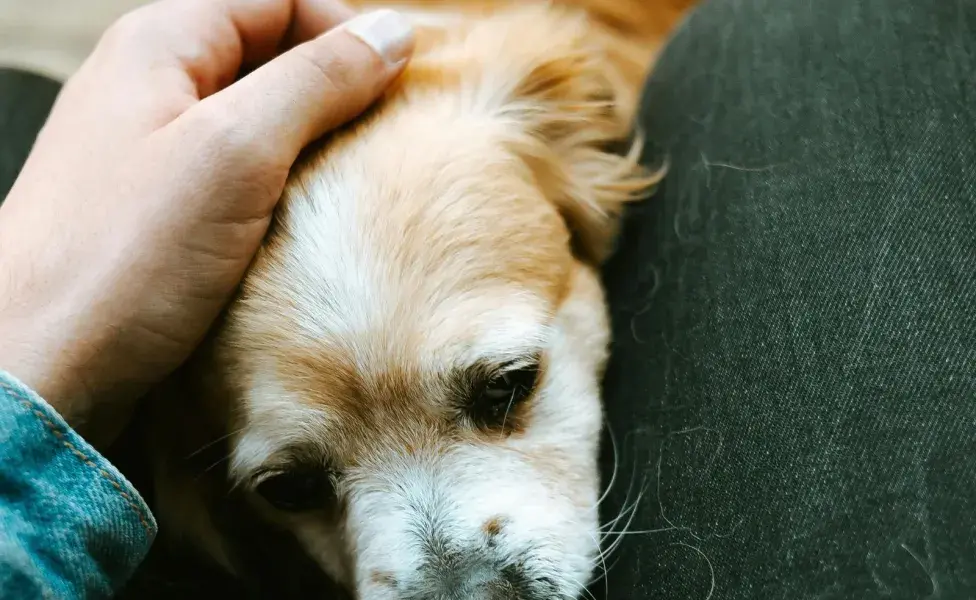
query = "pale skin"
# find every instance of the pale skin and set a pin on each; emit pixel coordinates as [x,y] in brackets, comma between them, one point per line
[153,183]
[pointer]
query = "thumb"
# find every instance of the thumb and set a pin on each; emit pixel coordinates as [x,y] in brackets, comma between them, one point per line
[317,86]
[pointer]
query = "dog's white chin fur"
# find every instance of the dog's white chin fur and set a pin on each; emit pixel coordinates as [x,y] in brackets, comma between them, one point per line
[460,222]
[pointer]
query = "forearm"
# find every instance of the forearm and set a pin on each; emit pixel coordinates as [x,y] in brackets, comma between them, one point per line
[71,526]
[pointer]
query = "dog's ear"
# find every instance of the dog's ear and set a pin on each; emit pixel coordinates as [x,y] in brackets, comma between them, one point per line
[554,78]
[573,110]
[186,436]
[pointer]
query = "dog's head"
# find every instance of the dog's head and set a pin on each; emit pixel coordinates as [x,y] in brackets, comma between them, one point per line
[409,379]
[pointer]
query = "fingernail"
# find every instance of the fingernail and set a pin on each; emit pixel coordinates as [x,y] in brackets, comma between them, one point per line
[386,31]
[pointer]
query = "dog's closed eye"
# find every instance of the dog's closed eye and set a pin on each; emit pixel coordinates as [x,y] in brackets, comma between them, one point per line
[496,397]
[299,489]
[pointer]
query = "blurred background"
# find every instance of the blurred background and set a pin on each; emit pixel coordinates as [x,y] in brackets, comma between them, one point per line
[52,37]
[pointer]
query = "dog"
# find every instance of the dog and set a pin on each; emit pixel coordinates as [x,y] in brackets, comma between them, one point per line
[408,383]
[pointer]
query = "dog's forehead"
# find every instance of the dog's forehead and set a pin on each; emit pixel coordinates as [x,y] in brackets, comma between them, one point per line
[405,250]
[419,226]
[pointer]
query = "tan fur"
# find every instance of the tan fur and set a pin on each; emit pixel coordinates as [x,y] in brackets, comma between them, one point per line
[483,178]
[631,32]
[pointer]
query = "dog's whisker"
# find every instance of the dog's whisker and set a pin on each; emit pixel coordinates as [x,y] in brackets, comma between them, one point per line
[642,531]
[607,572]
[213,466]
[587,594]
[507,409]
[603,564]
[626,509]
[616,466]
[628,512]
[630,488]
[631,513]
[212,443]
[626,506]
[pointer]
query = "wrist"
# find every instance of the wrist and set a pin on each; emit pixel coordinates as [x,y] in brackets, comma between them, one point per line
[29,354]
[52,370]
[40,328]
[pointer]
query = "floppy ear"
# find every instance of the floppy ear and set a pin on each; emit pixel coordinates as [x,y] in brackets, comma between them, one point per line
[574,109]
[188,451]
[550,74]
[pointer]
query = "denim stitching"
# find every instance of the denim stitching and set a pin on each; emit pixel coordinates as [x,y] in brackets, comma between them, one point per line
[84,458]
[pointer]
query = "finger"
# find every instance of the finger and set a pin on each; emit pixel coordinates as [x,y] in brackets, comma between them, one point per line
[209,40]
[312,18]
[315,87]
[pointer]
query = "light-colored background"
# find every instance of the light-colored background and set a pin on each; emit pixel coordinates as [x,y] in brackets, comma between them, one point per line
[54,36]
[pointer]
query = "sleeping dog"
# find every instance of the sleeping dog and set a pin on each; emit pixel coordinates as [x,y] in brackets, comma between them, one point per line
[407,384]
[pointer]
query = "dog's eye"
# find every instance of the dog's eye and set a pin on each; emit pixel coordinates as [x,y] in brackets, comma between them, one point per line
[299,490]
[502,394]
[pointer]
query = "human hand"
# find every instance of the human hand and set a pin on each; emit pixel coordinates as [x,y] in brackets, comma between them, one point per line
[153,183]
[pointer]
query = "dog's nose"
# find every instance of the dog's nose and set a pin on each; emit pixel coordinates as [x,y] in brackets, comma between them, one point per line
[477,578]
[485,570]
[508,590]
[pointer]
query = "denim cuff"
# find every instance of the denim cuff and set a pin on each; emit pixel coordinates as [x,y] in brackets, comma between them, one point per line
[71,526]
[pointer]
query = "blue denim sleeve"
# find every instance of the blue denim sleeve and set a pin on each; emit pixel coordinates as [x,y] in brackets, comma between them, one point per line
[71,526]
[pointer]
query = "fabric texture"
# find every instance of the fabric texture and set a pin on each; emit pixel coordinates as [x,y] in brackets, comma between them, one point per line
[793,382]
[71,526]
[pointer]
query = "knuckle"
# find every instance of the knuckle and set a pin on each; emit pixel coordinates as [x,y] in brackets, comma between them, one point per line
[336,70]
[325,70]
[128,29]
[221,129]
[228,135]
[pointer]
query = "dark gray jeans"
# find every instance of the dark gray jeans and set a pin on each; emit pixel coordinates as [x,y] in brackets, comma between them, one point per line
[793,384]
[793,388]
